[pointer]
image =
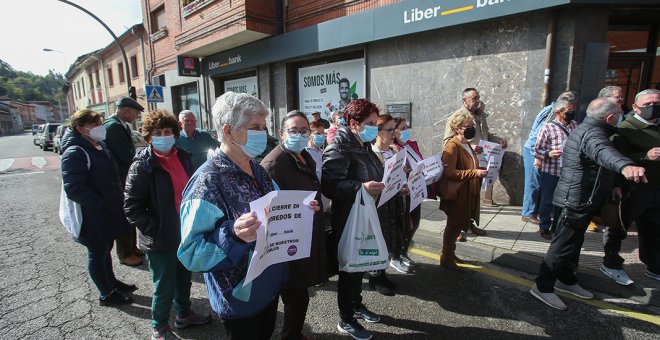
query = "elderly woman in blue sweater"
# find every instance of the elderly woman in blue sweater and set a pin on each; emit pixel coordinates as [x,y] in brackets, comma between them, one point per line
[218,230]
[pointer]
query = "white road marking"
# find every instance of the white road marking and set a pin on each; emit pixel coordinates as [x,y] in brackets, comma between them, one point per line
[39,162]
[22,174]
[6,164]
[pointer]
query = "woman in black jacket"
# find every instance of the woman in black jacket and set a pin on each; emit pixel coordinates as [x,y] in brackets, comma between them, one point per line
[349,164]
[154,188]
[90,178]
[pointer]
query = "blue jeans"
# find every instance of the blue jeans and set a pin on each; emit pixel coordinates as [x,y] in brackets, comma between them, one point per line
[531,194]
[547,187]
[99,266]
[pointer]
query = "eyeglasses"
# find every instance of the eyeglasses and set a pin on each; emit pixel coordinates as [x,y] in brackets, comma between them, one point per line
[392,130]
[304,133]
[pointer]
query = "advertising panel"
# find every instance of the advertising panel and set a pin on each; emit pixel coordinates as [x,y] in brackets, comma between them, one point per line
[243,85]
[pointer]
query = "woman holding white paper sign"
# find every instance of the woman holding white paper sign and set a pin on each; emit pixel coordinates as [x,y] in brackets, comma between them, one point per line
[404,141]
[293,168]
[348,165]
[394,225]
[218,229]
[461,168]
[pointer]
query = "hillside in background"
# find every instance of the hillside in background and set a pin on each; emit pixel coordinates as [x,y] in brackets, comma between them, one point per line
[26,86]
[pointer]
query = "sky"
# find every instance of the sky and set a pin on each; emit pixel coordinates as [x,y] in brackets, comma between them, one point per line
[29,26]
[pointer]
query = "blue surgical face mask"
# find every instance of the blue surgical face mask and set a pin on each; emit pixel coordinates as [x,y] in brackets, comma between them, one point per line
[405,135]
[369,133]
[255,144]
[295,143]
[319,140]
[341,121]
[162,144]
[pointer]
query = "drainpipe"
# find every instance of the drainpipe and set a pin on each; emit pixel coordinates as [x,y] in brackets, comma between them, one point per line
[549,45]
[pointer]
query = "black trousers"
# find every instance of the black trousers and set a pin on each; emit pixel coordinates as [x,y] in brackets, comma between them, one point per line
[257,327]
[295,303]
[612,239]
[349,290]
[561,260]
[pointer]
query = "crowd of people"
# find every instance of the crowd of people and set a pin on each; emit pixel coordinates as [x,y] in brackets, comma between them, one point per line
[189,208]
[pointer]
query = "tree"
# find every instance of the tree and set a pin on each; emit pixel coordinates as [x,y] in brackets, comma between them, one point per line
[26,86]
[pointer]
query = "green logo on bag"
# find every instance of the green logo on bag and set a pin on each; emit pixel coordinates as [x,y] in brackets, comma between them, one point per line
[368,252]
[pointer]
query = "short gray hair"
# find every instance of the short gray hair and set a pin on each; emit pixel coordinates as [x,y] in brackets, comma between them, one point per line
[236,109]
[645,92]
[559,105]
[599,108]
[569,96]
[182,114]
[608,91]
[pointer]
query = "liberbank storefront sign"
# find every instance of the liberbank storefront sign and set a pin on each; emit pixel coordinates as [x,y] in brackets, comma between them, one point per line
[398,19]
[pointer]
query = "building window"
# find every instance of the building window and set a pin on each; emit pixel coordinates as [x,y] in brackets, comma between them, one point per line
[134,67]
[111,81]
[158,19]
[98,78]
[83,88]
[120,69]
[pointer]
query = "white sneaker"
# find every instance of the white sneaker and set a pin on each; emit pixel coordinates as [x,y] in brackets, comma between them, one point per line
[550,299]
[618,275]
[575,290]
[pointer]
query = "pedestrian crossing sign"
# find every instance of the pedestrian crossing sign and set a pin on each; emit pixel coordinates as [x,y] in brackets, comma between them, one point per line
[154,94]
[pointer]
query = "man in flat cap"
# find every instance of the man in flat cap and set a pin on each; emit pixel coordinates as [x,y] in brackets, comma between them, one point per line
[119,141]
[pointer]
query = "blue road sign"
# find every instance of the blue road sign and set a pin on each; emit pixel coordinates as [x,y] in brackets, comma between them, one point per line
[154,94]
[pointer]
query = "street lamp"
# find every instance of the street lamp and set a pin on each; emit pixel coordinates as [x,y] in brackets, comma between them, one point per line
[65,81]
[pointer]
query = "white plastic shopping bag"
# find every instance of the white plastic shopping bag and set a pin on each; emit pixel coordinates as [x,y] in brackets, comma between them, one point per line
[70,211]
[362,246]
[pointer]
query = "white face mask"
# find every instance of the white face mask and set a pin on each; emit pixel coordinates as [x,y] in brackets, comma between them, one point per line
[97,133]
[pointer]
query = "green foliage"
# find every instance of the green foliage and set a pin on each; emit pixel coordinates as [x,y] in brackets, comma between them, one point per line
[26,86]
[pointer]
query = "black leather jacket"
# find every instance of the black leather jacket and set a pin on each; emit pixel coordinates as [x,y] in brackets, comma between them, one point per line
[587,149]
[149,202]
[346,165]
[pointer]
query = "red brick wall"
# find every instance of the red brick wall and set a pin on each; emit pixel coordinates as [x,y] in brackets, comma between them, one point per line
[304,13]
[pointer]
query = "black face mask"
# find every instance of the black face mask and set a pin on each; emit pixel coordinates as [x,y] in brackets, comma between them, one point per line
[470,132]
[570,115]
[650,112]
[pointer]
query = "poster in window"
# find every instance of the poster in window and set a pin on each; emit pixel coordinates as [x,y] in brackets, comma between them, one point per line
[243,85]
[330,87]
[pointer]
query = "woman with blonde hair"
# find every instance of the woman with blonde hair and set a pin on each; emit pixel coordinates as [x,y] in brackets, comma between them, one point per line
[463,177]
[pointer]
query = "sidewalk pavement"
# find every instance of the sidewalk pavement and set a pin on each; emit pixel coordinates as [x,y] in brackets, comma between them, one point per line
[510,242]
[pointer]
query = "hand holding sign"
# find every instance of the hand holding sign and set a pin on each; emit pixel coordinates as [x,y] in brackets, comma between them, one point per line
[246,226]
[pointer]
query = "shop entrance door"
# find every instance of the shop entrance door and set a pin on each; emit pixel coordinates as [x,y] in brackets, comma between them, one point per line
[630,73]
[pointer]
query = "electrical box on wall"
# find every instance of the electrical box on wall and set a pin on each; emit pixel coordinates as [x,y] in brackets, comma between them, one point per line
[400,109]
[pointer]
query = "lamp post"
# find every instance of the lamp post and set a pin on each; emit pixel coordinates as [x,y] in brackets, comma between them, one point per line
[59,103]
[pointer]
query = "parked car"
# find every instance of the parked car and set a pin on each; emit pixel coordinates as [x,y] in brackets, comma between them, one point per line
[36,135]
[35,128]
[59,133]
[47,136]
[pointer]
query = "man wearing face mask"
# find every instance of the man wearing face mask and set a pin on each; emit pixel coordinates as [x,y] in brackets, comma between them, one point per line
[638,138]
[119,141]
[293,168]
[548,161]
[589,166]
[316,145]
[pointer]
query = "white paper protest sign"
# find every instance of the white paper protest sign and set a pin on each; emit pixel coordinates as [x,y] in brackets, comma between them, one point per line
[412,158]
[491,159]
[432,169]
[285,233]
[416,186]
[394,177]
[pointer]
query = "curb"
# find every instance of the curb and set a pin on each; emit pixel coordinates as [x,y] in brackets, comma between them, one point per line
[589,278]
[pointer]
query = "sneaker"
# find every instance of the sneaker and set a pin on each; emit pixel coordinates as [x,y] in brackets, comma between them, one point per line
[361,312]
[408,261]
[546,234]
[192,319]
[618,275]
[399,265]
[125,287]
[593,227]
[462,236]
[652,275]
[477,231]
[575,290]
[354,329]
[531,219]
[163,333]
[550,299]
[115,298]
